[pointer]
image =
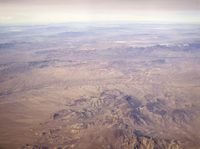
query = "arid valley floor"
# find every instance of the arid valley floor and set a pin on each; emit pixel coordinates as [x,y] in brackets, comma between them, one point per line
[100,86]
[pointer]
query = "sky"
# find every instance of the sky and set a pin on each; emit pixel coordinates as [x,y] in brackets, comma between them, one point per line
[59,11]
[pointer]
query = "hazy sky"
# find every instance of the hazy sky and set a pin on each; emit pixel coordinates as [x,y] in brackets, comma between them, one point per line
[55,11]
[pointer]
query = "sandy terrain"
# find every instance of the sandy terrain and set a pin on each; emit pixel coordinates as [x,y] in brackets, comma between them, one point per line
[100,86]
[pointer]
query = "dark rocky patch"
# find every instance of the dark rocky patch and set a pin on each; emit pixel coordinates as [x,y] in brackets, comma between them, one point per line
[7,45]
[182,116]
[5,93]
[159,61]
[39,64]
[56,115]
[139,118]
[132,101]
[157,107]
